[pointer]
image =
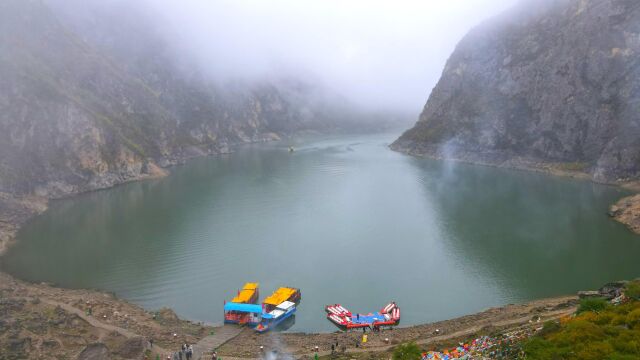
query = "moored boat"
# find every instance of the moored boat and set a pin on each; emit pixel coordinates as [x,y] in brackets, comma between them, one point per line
[244,307]
[343,318]
[275,317]
[280,296]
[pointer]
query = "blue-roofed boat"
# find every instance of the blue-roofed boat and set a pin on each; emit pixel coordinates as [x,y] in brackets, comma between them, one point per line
[276,316]
[239,313]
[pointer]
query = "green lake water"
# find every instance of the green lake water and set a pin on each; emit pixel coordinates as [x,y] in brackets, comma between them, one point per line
[346,220]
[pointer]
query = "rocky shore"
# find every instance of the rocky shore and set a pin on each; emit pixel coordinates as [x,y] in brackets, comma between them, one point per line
[39,319]
[627,211]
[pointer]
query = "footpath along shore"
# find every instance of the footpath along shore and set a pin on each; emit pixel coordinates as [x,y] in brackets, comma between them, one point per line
[40,320]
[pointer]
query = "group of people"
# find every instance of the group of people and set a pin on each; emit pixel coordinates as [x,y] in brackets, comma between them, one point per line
[185,353]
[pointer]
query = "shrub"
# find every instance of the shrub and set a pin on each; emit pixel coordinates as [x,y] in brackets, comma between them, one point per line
[612,333]
[408,351]
[550,327]
[633,318]
[592,304]
[632,290]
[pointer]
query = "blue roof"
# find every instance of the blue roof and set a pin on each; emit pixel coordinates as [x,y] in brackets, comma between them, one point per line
[249,308]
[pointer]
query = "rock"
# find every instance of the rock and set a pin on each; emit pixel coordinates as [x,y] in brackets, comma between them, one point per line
[97,351]
[552,83]
[588,294]
[132,348]
[612,290]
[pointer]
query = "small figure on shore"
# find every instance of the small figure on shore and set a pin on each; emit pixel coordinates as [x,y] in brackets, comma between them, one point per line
[214,356]
[151,342]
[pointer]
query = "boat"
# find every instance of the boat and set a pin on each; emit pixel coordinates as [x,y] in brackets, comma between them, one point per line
[277,316]
[389,315]
[248,295]
[244,308]
[280,296]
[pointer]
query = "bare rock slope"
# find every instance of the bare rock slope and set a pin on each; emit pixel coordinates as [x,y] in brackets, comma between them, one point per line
[552,83]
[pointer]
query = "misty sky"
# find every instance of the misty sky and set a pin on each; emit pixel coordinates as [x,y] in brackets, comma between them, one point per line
[387,52]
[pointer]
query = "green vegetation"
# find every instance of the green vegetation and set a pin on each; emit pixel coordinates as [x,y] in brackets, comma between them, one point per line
[633,290]
[598,331]
[408,351]
[592,304]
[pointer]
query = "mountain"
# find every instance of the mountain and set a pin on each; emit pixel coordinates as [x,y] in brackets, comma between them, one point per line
[93,95]
[549,84]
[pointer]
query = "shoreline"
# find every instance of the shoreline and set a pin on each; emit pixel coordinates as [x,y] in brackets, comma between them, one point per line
[625,211]
[16,211]
[127,328]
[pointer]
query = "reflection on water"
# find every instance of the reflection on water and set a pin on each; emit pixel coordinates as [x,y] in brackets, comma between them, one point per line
[344,219]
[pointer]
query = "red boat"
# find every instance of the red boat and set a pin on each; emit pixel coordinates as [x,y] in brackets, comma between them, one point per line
[343,318]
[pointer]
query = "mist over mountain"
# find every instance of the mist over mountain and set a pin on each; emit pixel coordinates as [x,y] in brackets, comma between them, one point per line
[546,83]
[94,94]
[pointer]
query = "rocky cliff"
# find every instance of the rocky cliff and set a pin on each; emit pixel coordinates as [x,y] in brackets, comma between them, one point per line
[549,84]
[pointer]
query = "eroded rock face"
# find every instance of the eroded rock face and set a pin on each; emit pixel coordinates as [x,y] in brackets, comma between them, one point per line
[554,81]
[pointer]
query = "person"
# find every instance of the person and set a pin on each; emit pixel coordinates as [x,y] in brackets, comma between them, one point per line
[151,342]
[214,356]
[333,347]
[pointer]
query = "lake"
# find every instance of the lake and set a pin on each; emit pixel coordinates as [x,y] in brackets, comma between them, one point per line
[343,218]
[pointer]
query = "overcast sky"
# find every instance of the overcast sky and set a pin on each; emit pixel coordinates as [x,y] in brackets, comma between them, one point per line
[385,52]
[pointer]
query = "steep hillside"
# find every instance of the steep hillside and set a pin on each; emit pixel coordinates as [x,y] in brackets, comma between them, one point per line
[550,84]
[94,96]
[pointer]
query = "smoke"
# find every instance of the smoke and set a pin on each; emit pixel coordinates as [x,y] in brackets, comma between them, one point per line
[275,350]
[378,53]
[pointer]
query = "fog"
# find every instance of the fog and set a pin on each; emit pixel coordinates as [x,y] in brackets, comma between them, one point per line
[384,53]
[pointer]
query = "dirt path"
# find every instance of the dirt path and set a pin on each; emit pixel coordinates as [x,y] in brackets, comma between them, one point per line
[220,336]
[107,327]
